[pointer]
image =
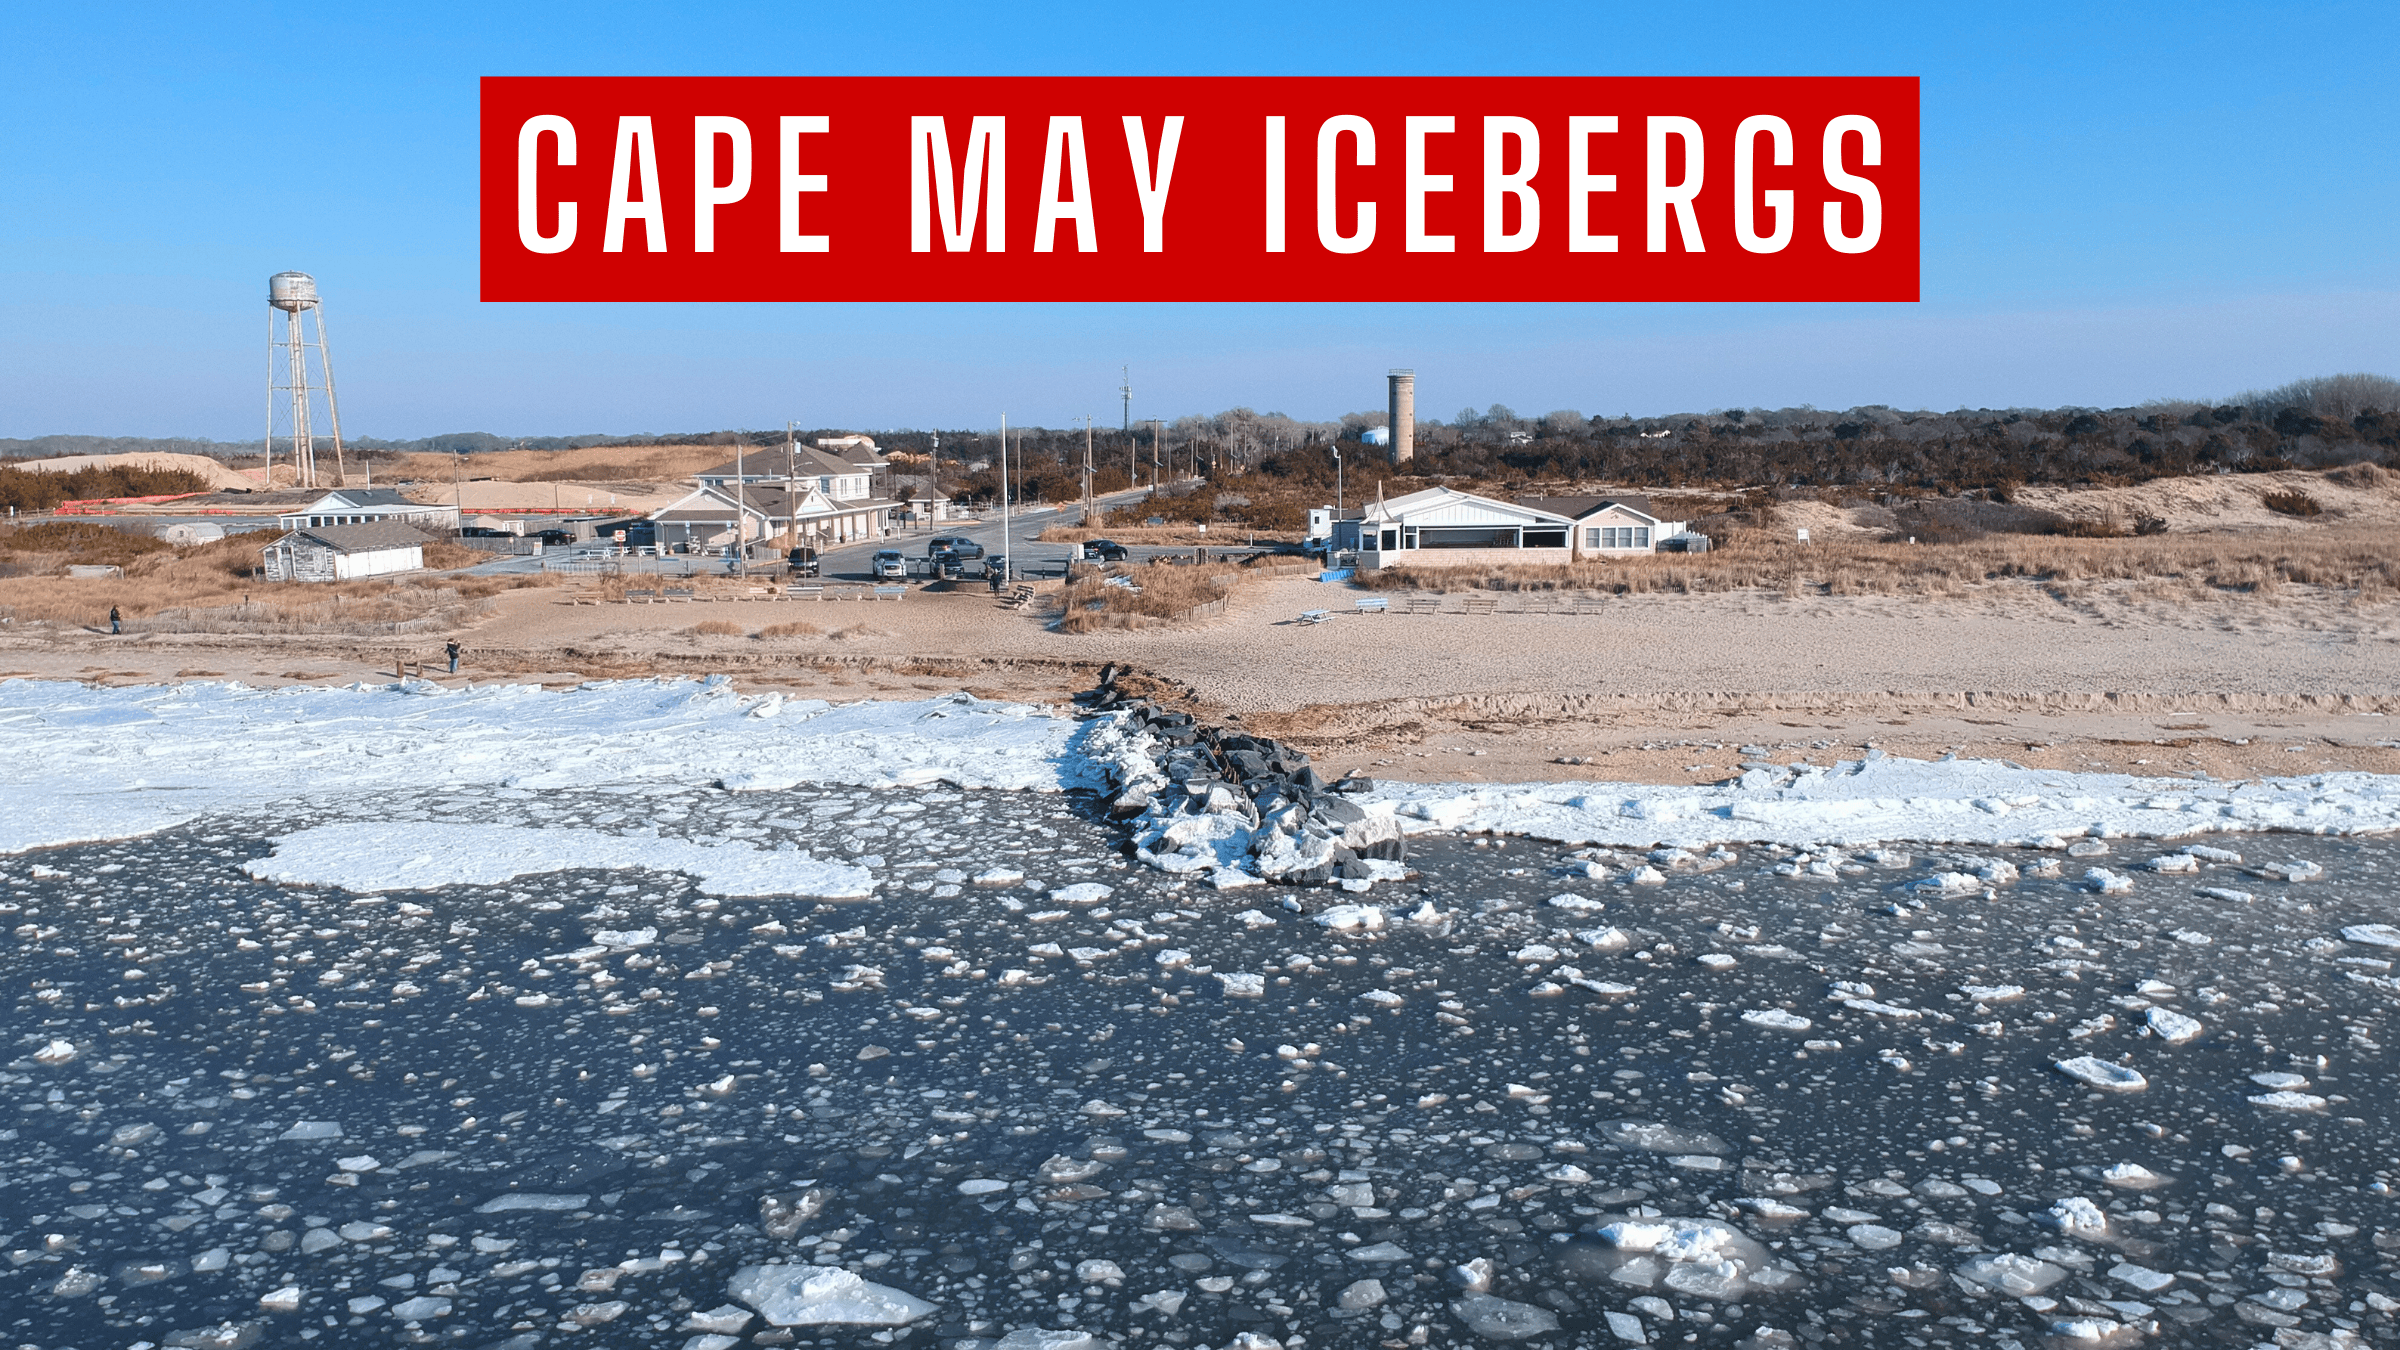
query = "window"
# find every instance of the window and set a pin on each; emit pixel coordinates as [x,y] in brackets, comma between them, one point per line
[1457,537]
[1540,538]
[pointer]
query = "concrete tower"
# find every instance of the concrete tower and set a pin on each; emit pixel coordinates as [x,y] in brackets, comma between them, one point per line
[1403,421]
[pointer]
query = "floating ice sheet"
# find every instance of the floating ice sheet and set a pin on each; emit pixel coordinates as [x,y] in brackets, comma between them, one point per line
[421,855]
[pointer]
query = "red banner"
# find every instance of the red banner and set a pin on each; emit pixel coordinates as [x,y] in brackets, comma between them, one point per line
[1350,189]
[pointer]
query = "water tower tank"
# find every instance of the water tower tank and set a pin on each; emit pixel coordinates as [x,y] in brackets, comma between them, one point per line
[291,291]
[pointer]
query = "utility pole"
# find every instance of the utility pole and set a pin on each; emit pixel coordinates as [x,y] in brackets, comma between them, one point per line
[1006,557]
[741,509]
[1125,392]
[1087,470]
[1157,428]
[933,474]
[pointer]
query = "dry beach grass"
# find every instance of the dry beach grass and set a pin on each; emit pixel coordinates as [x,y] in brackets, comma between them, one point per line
[2359,561]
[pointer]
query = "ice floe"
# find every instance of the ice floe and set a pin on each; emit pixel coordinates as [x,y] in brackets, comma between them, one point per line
[422,855]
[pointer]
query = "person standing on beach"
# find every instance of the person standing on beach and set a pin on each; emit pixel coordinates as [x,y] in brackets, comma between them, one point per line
[452,649]
[116,621]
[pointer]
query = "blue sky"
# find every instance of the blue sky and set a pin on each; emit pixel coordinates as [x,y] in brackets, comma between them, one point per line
[2122,201]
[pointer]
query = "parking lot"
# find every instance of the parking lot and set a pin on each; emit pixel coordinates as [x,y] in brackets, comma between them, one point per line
[1027,554]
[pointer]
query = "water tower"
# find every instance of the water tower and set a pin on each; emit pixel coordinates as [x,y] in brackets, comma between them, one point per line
[291,384]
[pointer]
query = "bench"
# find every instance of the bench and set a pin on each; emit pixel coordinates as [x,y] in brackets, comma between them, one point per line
[1019,599]
[890,592]
[1482,604]
[1315,615]
[683,593]
[1372,604]
[805,592]
[1424,604]
[1589,604]
[640,597]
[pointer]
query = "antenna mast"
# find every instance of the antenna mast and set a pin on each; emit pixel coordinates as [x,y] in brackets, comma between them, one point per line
[1125,392]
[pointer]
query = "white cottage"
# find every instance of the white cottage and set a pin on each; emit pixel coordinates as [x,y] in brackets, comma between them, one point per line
[367,506]
[1443,527]
[1611,527]
[344,552]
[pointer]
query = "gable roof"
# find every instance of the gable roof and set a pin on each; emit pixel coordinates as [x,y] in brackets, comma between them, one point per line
[763,503]
[772,462]
[1441,506]
[1576,508]
[369,538]
[367,497]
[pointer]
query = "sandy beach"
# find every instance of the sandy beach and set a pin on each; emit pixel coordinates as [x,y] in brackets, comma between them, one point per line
[1656,688]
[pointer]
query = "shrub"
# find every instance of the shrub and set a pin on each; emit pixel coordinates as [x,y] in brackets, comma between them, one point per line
[777,630]
[77,541]
[2291,504]
[714,628]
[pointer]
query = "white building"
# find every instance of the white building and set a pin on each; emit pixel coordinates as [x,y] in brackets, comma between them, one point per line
[1611,527]
[344,552]
[1443,527]
[706,517]
[367,506]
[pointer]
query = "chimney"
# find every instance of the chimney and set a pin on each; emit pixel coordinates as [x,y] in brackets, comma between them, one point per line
[1403,419]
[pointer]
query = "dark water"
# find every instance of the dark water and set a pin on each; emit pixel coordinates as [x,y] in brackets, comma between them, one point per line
[797,1082]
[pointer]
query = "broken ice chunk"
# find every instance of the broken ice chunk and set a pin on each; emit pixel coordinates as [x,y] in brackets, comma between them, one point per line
[1776,1019]
[1082,893]
[1992,993]
[2106,882]
[2075,1216]
[2288,1101]
[811,1295]
[1239,985]
[2011,1274]
[2367,934]
[2173,1027]
[1352,918]
[2101,1074]
[1502,1319]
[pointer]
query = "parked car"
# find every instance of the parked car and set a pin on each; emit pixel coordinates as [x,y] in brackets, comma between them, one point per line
[803,561]
[552,538]
[1102,550]
[956,544]
[484,532]
[889,562]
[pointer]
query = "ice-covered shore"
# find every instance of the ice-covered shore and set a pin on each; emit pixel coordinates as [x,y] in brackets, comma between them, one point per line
[1881,798]
[91,763]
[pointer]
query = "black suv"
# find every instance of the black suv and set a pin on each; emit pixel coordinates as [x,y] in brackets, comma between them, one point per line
[1102,550]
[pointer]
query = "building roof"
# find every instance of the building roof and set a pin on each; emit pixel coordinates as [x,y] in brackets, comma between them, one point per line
[1576,508]
[767,503]
[1441,506]
[365,496]
[772,462]
[370,538]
